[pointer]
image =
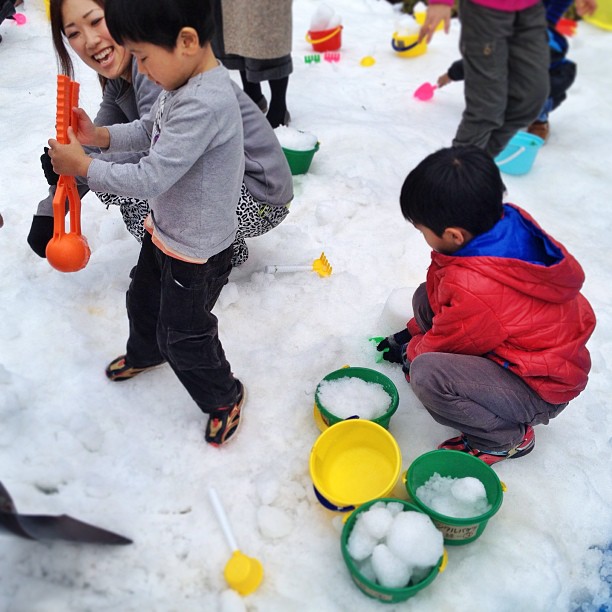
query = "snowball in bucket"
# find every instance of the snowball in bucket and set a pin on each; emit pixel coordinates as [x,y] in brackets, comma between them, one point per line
[407,25]
[361,542]
[468,490]
[390,571]
[394,548]
[397,310]
[324,18]
[295,140]
[415,539]
[454,497]
[351,396]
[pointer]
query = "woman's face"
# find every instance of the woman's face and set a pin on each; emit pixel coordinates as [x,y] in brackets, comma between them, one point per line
[86,31]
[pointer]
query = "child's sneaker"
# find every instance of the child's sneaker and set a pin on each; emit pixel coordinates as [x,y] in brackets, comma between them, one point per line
[459,443]
[223,423]
[525,446]
[119,369]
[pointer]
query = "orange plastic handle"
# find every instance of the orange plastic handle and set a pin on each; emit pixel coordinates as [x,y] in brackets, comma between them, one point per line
[67,252]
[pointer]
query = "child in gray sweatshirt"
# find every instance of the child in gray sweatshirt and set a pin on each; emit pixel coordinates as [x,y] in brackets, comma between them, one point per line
[191,178]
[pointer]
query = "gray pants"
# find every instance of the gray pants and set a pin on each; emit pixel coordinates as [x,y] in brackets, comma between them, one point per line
[506,58]
[489,404]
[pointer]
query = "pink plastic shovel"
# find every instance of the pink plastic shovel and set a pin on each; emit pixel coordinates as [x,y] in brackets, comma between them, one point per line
[425,92]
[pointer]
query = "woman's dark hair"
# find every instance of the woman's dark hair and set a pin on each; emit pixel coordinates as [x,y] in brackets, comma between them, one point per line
[59,40]
[158,22]
[454,187]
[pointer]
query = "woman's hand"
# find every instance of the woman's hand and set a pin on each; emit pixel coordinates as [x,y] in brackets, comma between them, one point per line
[585,7]
[86,132]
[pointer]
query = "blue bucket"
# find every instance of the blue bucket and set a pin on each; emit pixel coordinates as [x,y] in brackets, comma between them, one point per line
[519,154]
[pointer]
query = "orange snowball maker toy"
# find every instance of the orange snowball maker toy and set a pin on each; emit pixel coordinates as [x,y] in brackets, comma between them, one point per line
[67,251]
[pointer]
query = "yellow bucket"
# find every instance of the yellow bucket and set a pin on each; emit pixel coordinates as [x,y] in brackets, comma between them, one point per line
[408,45]
[353,462]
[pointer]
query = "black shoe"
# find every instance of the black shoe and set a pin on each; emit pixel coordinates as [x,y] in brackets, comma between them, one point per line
[118,369]
[223,423]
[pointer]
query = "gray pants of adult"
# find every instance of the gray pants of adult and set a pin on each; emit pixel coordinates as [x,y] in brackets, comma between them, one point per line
[486,402]
[506,58]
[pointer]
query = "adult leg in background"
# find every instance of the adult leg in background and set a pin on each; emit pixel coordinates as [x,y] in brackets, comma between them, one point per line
[528,77]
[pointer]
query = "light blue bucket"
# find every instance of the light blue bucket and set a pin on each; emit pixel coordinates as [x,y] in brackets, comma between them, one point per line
[519,154]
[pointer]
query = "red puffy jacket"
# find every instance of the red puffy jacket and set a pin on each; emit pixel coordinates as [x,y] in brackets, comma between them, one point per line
[529,318]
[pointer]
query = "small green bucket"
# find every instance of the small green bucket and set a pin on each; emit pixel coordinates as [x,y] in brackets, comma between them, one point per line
[456,465]
[299,161]
[372,589]
[325,418]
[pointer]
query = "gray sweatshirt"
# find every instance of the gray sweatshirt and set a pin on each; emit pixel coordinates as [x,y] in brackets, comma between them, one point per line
[193,172]
[267,175]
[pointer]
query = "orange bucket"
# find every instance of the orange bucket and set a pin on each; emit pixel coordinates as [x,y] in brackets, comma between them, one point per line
[325,40]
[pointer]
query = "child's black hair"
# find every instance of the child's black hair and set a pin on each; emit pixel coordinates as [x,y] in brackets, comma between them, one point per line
[158,22]
[454,187]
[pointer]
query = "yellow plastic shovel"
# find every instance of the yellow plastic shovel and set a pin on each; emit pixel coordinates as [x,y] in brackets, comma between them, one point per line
[242,573]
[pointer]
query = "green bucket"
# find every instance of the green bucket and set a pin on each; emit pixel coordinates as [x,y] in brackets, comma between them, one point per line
[324,418]
[372,589]
[456,465]
[299,161]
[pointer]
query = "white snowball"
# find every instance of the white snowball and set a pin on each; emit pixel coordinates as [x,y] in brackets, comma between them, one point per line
[377,522]
[414,538]
[360,543]
[321,18]
[390,570]
[468,490]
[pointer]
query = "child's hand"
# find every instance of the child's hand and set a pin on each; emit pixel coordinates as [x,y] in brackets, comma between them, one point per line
[69,159]
[392,347]
[443,80]
[435,14]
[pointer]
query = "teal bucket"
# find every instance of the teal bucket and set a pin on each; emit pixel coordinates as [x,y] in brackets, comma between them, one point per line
[519,154]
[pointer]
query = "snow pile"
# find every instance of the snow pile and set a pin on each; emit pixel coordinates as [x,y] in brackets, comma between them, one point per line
[351,396]
[456,497]
[394,547]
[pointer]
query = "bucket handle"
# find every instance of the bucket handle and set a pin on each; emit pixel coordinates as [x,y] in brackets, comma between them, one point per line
[444,561]
[401,48]
[312,41]
[327,504]
[514,155]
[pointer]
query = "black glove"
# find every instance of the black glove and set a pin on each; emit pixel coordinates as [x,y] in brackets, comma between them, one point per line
[395,346]
[40,234]
[47,166]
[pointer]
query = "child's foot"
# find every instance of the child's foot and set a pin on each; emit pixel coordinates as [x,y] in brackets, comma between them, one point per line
[524,447]
[540,128]
[223,423]
[119,369]
[459,443]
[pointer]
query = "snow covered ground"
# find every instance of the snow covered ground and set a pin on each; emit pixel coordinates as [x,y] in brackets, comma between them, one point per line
[131,457]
